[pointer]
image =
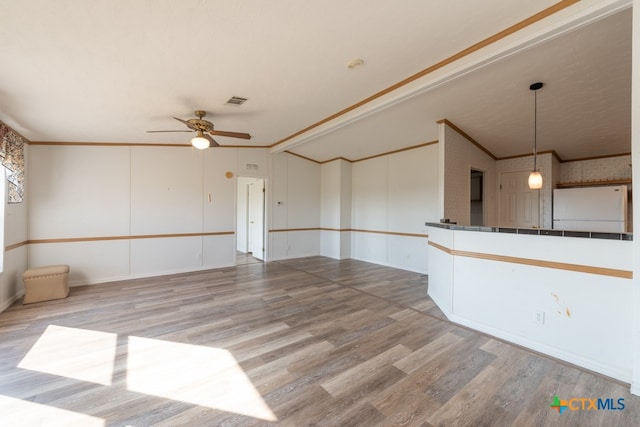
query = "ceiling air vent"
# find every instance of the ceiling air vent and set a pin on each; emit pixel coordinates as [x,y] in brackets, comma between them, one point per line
[236,100]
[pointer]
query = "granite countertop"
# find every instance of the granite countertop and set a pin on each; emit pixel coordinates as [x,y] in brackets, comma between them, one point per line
[533,231]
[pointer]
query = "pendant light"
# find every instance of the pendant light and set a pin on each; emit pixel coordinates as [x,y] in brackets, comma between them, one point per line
[535,177]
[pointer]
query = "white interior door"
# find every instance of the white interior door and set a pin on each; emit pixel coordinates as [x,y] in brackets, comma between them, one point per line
[242,215]
[518,203]
[256,218]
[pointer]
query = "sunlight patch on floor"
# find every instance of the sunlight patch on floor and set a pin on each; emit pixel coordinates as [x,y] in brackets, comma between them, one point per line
[204,376]
[18,412]
[80,354]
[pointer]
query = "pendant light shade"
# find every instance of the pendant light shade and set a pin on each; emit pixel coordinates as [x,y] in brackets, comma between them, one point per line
[199,141]
[535,177]
[535,180]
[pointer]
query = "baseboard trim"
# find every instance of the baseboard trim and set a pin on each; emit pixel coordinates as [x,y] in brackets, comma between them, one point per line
[10,301]
[441,306]
[584,362]
[284,258]
[388,264]
[101,280]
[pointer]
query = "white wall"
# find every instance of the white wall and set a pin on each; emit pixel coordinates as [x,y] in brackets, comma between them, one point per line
[97,192]
[166,198]
[346,206]
[80,191]
[178,196]
[635,150]
[335,209]
[102,195]
[330,188]
[294,229]
[441,272]
[396,193]
[587,317]
[15,232]
[458,157]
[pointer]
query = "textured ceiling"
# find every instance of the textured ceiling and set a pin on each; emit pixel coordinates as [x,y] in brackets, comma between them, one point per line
[105,71]
[584,108]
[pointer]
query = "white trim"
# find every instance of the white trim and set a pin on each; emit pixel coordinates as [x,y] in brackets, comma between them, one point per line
[295,257]
[441,306]
[10,301]
[583,362]
[74,283]
[388,264]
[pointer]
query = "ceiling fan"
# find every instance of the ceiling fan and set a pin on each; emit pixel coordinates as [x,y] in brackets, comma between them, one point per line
[204,129]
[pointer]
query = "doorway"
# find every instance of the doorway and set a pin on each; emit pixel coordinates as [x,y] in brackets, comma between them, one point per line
[250,222]
[477,198]
[519,205]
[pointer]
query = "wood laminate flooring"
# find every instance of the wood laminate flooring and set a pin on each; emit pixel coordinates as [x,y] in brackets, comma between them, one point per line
[243,258]
[303,342]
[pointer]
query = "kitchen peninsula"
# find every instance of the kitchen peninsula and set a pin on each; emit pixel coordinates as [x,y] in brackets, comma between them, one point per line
[561,293]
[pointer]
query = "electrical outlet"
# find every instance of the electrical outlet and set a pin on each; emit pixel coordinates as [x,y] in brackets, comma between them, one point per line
[539,319]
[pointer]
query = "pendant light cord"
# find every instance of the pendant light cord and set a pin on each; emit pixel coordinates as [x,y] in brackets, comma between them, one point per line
[535,129]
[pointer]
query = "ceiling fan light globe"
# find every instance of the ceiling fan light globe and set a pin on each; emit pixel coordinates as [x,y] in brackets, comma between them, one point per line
[535,180]
[200,142]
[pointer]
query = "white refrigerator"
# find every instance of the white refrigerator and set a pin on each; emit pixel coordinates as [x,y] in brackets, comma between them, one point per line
[602,209]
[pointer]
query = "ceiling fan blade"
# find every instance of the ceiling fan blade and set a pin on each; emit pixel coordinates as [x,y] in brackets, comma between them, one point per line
[189,125]
[211,141]
[230,134]
[159,131]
